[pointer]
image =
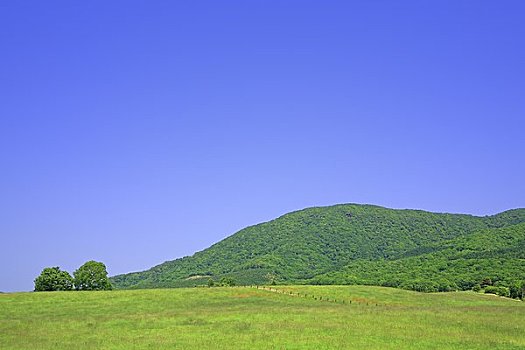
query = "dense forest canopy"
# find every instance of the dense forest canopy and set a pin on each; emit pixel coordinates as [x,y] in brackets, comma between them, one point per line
[358,244]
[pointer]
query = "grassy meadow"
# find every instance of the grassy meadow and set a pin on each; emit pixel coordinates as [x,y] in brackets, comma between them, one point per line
[249,318]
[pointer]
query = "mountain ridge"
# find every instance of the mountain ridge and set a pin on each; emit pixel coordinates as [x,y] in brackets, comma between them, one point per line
[307,245]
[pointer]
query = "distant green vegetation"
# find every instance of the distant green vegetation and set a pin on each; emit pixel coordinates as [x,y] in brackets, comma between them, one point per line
[493,255]
[358,244]
[90,276]
[247,318]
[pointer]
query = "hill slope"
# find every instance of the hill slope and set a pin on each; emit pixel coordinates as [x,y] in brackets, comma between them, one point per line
[343,244]
[497,254]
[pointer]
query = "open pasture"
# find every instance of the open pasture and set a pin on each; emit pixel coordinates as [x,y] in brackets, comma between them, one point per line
[249,318]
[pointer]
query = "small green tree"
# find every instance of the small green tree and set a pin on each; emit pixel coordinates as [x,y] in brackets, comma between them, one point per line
[227,282]
[211,283]
[92,276]
[517,290]
[52,279]
[271,278]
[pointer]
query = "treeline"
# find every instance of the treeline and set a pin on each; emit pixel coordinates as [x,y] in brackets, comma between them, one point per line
[513,289]
[516,290]
[90,276]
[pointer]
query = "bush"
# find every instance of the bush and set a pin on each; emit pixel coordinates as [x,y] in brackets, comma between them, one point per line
[421,286]
[227,282]
[464,284]
[501,291]
[447,286]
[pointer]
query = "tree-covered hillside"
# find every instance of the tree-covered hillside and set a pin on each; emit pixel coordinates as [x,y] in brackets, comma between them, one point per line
[353,243]
[493,256]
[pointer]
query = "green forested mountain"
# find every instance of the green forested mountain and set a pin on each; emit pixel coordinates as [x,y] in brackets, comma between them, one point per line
[495,254]
[357,244]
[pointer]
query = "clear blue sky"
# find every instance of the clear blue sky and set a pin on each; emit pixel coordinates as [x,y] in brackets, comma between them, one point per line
[134,132]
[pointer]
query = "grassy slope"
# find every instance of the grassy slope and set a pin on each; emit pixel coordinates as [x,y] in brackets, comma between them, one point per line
[312,242]
[245,318]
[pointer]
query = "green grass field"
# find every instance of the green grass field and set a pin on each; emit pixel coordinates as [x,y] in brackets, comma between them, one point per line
[248,318]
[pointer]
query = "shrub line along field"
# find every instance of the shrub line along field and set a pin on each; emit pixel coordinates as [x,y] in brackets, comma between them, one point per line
[286,317]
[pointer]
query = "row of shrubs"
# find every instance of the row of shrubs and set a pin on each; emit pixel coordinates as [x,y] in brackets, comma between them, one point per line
[510,292]
[514,290]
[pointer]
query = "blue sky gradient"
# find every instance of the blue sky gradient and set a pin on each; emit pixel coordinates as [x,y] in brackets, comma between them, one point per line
[134,132]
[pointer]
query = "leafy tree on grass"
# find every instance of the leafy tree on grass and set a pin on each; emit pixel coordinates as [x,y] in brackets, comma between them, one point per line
[52,279]
[92,276]
[517,290]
